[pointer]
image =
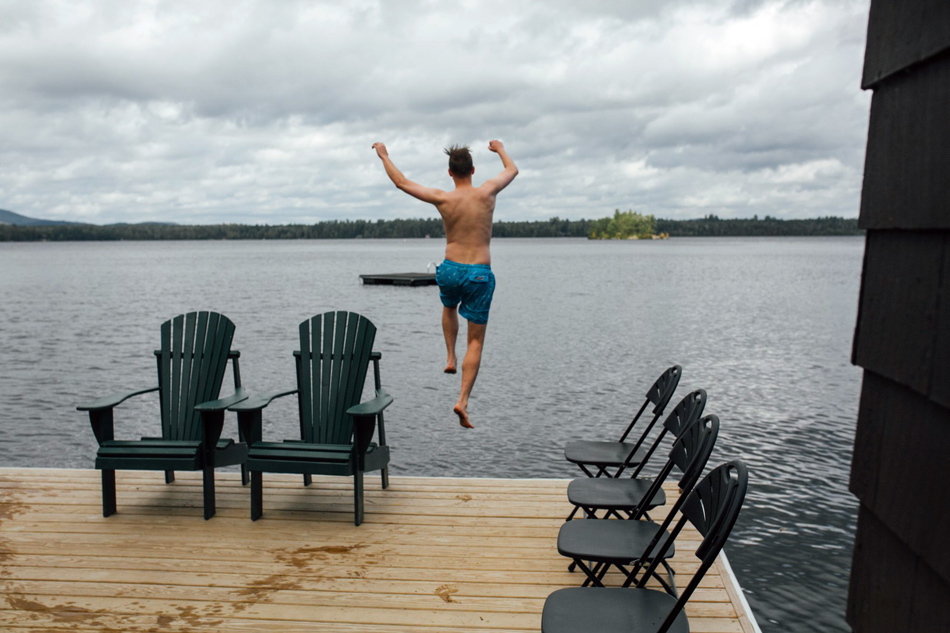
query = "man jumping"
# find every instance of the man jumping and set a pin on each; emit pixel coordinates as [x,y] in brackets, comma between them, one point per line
[465,277]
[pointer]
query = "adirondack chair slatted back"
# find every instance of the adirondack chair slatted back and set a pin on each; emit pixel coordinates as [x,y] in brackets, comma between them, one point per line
[331,368]
[191,364]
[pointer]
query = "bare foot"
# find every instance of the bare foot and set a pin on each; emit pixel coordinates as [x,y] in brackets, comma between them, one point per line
[449,368]
[463,417]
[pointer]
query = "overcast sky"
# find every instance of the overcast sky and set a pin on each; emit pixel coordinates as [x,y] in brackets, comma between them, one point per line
[265,111]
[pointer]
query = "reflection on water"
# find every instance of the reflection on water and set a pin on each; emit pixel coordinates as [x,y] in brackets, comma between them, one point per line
[578,331]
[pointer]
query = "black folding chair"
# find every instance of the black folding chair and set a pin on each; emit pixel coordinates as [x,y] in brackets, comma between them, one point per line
[712,508]
[634,497]
[621,454]
[685,413]
[621,543]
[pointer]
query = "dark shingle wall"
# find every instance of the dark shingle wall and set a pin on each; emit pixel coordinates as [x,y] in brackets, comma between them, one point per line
[901,467]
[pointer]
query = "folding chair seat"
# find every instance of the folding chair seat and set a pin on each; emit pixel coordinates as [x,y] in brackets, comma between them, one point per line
[712,508]
[630,493]
[635,497]
[620,454]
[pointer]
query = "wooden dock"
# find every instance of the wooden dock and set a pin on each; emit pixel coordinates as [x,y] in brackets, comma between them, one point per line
[435,554]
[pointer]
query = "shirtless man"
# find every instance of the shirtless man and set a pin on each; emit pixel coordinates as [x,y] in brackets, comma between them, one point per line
[465,277]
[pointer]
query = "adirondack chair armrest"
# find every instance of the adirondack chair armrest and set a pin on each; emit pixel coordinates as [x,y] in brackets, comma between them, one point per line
[365,416]
[372,407]
[222,403]
[256,403]
[109,402]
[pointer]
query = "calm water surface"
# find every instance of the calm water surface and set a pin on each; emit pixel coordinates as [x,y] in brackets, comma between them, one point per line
[578,331]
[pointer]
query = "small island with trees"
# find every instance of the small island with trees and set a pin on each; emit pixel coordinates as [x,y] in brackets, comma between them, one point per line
[626,225]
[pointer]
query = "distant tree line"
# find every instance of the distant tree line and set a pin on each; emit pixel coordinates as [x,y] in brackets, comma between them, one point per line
[712,226]
[416,228]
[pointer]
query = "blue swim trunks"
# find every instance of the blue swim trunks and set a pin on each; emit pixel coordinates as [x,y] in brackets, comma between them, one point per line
[472,285]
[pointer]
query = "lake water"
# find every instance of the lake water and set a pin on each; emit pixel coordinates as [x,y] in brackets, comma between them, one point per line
[578,331]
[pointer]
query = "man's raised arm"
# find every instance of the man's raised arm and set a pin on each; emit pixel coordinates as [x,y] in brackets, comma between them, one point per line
[426,194]
[503,179]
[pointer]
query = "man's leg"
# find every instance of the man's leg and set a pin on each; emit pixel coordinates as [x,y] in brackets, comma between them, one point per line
[470,364]
[450,328]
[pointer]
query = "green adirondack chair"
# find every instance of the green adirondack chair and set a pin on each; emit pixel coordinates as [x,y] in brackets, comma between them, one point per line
[336,431]
[195,349]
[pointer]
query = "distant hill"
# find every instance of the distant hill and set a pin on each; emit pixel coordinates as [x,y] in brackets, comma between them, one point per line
[15,219]
[9,217]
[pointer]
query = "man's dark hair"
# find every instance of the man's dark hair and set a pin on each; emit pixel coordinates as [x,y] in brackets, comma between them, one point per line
[460,160]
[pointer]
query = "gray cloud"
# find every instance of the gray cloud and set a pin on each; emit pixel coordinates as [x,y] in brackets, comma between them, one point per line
[265,112]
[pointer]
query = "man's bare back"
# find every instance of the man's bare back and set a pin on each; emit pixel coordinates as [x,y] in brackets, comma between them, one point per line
[466,211]
[467,217]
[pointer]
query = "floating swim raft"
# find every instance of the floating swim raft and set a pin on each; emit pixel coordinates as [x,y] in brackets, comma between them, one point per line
[399,279]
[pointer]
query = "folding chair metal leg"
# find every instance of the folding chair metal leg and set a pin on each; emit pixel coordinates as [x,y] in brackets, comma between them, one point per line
[244,476]
[670,588]
[592,578]
[108,492]
[257,494]
[385,478]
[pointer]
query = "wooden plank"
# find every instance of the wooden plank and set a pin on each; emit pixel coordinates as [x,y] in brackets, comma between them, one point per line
[147,569]
[421,567]
[164,382]
[199,377]
[734,592]
[307,380]
[190,361]
[112,576]
[326,378]
[487,613]
[902,34]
